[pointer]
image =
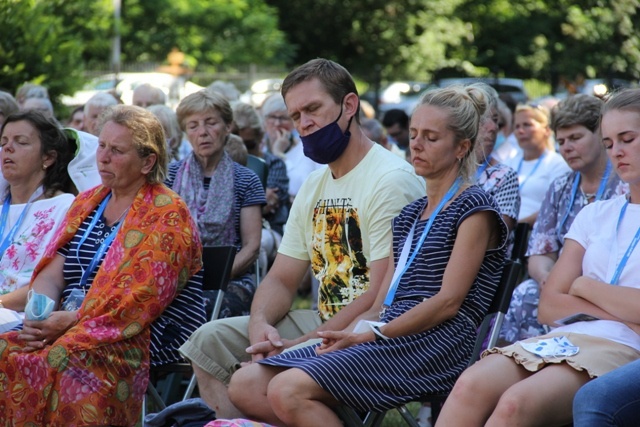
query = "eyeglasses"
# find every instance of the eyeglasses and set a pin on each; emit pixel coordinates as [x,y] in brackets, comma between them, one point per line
[273,118]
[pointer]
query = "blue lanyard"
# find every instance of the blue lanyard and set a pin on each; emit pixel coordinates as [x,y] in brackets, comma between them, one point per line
[448,196]
[104,246]
[627,254]
[482,168]
[535,167]
[574,192]
[4,218]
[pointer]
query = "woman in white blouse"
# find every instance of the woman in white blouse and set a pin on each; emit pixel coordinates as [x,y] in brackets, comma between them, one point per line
[539,163]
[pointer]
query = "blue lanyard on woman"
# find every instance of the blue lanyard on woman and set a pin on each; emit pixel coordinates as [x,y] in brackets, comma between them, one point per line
[627,254]
[482,168]
[407,244]
[535,167]
[4,218]
[104,246]
[574,192]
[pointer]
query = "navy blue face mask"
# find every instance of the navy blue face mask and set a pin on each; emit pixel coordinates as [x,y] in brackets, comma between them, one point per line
[325,145]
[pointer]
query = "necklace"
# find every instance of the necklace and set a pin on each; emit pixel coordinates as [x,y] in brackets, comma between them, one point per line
[122,215]
[587,196]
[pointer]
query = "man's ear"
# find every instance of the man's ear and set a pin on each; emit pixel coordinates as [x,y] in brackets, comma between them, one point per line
[351,103]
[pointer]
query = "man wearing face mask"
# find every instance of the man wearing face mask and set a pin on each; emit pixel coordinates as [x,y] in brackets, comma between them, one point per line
[339,223]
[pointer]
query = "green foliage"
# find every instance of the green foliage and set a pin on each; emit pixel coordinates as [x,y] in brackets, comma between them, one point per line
[37,47]
[554,39]
[363,35]
[211,31]
[50,41]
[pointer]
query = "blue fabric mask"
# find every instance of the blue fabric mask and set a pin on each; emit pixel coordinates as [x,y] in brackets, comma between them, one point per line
[39,306]
[328,143]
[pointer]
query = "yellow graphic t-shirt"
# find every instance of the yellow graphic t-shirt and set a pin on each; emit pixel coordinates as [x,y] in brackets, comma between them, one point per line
[341,225]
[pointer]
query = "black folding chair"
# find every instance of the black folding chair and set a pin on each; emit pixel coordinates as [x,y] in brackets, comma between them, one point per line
[218,262]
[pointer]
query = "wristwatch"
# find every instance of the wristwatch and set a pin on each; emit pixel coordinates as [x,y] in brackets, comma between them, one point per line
[378,333]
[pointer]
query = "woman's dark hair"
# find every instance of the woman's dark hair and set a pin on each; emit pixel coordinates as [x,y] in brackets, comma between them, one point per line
[52,140]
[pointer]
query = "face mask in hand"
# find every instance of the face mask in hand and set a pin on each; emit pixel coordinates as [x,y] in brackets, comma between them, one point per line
[39,306]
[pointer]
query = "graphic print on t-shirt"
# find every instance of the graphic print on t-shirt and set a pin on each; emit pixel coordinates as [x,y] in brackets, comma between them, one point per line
[338,261]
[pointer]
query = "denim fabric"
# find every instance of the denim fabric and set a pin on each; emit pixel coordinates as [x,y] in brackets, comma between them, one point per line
[610,400]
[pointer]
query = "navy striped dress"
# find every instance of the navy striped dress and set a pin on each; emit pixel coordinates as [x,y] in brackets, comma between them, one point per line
[380,375]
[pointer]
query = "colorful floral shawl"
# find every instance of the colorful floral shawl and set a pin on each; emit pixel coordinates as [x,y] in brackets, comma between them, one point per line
[97,372]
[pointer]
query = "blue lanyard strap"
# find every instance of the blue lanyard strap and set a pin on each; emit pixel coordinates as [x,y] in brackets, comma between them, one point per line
[448,196]
[535,167]
[482,168]
[603,181]
[574,191]
[104,246]
[627,254]
[4,219]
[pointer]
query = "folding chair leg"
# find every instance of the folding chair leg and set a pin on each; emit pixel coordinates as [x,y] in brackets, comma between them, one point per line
[190,388]
[408,417]
[157,399]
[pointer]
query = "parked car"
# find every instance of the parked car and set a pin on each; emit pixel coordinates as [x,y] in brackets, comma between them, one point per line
[513,87]
[261,90]
[403,95]
[597,87]
[174,87]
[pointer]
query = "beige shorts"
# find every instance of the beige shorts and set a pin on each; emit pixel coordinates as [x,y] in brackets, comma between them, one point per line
[597,356]
[218,347]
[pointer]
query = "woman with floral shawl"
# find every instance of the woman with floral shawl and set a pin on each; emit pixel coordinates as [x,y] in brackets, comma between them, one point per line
[130,246]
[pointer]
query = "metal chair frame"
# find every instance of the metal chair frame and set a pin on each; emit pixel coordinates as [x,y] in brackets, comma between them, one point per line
[218,262]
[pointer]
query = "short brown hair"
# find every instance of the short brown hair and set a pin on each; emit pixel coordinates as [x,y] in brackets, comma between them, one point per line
[335,79]
[579,109]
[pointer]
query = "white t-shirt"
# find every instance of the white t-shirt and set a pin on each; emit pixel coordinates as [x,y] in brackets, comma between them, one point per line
[533,186]
[342,225]
[604,248]
[507,150]
[299,167]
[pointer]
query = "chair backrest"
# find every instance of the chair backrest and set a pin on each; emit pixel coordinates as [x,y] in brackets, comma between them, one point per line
[520,241]
[259,166]
[489,330]
[218,261]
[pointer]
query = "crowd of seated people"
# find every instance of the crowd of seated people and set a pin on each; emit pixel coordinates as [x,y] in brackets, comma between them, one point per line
[575,122]
[590,298]
[86,233]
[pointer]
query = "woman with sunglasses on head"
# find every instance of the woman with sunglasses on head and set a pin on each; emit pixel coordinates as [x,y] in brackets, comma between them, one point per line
[538,164]
[592,295]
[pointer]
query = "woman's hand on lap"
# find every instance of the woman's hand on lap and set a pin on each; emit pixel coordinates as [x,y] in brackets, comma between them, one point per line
[39,333]
[337,340]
